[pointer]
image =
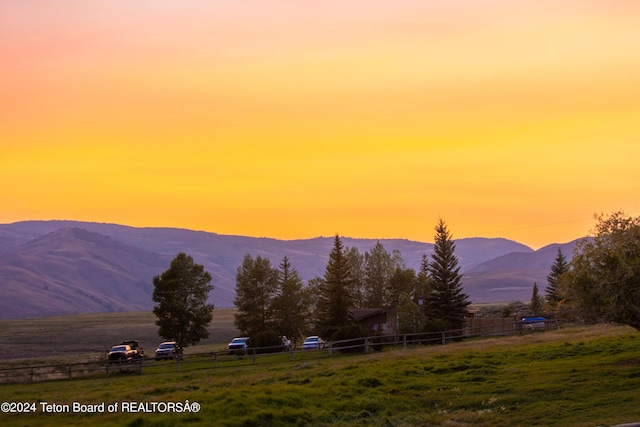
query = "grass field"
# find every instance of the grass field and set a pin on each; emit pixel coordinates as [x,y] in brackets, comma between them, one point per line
[89,337]
[585,376]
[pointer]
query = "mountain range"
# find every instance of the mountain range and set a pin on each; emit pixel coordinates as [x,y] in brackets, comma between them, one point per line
[52,268]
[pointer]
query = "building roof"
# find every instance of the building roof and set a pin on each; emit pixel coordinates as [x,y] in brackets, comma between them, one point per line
[359,314]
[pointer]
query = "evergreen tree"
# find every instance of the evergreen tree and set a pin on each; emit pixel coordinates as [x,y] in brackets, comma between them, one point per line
[446,301]
[181,295]
[335,300]
[256,286]
[423,281]
[537,302]
[290,307]
[559,267]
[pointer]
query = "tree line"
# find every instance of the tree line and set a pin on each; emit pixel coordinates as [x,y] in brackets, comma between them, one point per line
[601,283]
[274,301]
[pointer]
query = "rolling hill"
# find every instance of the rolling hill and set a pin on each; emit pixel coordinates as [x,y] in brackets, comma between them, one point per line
[510,277]
[67,267]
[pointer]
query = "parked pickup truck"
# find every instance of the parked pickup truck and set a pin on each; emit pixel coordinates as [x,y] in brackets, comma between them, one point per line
[126,351]
[239,346]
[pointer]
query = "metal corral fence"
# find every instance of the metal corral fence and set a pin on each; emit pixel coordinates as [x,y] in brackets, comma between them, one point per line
[477,328]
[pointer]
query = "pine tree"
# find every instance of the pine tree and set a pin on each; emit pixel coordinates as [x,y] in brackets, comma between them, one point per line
[335,299]
[423,282]
[537,302]
[559,267]
[446,301]
[290,306]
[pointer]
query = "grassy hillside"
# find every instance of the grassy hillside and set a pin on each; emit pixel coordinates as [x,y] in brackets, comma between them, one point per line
[568,377]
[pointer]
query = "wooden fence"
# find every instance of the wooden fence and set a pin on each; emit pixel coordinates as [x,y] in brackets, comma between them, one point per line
[477,328]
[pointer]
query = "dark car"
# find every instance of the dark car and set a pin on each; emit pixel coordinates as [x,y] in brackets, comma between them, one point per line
[168,350]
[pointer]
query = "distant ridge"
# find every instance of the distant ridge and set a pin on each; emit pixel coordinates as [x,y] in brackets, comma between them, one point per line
[67,267]
[511,276]
[72,270]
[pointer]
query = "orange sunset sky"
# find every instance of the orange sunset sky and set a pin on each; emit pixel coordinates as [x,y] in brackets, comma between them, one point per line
[296,119]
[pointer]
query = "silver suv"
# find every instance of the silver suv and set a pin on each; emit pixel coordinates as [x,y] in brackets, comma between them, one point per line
[239,346]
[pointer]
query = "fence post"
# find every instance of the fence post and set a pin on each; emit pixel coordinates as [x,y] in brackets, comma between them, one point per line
[444,340]
[290,351]
[404,339]
[215,358]
[330,350]
[254,356]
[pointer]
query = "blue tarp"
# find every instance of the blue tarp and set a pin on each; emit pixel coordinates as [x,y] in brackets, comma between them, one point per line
[533,319]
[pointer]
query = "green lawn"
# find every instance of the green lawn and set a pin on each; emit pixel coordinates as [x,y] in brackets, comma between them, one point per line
[569,377]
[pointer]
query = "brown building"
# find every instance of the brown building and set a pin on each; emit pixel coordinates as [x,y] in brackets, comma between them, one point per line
[376,321]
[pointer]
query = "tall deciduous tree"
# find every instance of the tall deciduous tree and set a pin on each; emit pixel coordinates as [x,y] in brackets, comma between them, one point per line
[380,266]
[446,301]
[335,299]
[181,295]
[403,281]
[358,276]
[378,271]
[411,317]
[290,305]
[256,286]
[559,267]
[603,282]
[312,293]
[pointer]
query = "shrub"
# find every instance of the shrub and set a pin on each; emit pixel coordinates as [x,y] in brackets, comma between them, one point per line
[437,325]
[355,336]
[377,343]
[267,338]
